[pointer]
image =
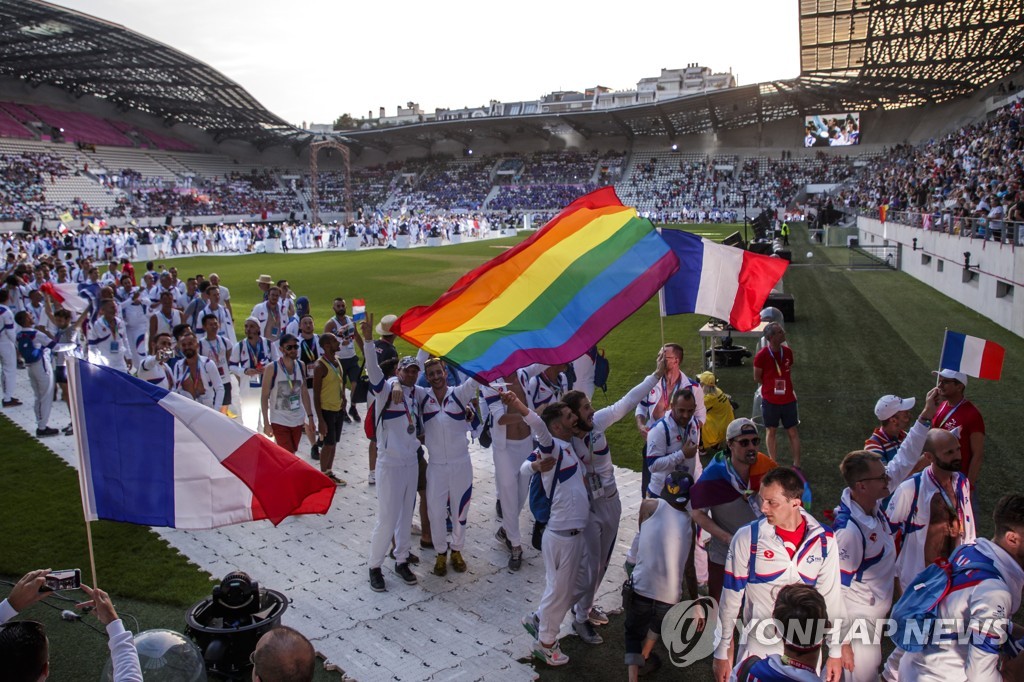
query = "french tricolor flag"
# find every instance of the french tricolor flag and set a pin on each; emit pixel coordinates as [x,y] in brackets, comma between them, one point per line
[358,310]
[155,458]
[721,281]
[973,356]
[75,297]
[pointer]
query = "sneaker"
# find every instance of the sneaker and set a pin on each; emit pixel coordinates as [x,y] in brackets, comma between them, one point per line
[532,624]
[68,430]
[515,562]
[552,655]
[314,452]
[48,431]
[340,482]
[598,616]
[651,665]
[502,537]
[405,573]
[354,413]
[377,580]
[230,414]
[441,565]
[458,563]
[497,507]
[586,632]
[346,418]
[413,559]
[13,402]
[372,480]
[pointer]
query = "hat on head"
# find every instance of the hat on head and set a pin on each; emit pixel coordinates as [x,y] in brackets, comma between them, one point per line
[676,490]
[951,374]
[408,361]
[706,378]
[740,427]
[255,320]
[384,326]
[265,279]
[888,405]
[301,306]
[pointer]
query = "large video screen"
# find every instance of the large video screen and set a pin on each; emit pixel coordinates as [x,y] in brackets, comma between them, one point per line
[832,130]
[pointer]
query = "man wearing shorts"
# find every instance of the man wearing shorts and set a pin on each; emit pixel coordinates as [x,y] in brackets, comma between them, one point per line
[773,367]
[329,402]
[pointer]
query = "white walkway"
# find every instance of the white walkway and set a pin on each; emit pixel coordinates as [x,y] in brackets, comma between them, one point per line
[461,627]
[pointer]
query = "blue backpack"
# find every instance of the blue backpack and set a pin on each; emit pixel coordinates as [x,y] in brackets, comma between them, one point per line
[915,612]
[540,499]
[27,348]
[602,369]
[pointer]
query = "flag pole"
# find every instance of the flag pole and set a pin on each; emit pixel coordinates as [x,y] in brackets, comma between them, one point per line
[76,423]
[661,314]
[942,354]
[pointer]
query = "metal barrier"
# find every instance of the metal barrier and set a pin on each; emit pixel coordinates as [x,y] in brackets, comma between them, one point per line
[875,257]
[1001,231]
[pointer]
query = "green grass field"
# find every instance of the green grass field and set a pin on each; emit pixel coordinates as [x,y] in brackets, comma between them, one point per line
[857,335]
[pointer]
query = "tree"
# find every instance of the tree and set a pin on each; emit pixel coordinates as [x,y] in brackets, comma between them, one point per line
[345,122]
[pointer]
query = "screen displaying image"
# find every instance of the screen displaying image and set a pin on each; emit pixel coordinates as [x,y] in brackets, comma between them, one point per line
[832,130]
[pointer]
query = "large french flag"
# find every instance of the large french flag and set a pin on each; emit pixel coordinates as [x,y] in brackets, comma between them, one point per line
[721,281]
[156,458]
[973,356]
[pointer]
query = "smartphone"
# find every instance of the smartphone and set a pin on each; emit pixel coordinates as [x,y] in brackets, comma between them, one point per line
[66,579]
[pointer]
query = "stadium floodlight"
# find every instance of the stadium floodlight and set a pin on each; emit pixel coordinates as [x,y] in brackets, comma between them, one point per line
[675,147]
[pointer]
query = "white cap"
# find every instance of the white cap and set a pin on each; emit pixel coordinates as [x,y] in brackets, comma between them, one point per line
[888,405]
[952,374]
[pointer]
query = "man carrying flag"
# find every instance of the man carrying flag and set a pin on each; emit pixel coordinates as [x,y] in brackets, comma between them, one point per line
[964,356]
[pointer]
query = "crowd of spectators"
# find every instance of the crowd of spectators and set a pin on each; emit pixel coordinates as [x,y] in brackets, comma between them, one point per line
[968,181]
[370,187]
[455,185]
[527,197]
[23,179]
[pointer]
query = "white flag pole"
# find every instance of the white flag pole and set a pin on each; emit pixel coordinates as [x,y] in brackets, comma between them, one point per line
[75,405]
[942,354]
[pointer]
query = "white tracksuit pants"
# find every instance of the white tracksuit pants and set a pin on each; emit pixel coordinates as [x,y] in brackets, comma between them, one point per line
[449,485]
[867,655]
[40,376]
[9,367]
[598,541]
[249,404]
[513,489]
[396,500]
[562,555]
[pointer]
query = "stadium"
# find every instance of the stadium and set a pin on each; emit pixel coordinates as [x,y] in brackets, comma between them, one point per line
[894,158]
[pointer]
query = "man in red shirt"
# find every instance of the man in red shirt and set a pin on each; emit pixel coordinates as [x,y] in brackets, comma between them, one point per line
[959,416]
[773,367]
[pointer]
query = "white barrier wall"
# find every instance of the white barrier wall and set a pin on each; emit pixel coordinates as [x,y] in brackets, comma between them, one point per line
[989,287]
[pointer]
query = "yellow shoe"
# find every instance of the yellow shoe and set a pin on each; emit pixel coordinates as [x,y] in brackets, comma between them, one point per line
[458,563]
[231,414]
[441,565]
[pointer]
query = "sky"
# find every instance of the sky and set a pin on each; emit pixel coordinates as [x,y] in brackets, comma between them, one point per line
[313,60]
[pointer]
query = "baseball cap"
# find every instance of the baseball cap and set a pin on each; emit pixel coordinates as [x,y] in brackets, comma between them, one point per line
[740,427]
[407,361]
[889,405]
[951,374]
[706,378]
[676,490]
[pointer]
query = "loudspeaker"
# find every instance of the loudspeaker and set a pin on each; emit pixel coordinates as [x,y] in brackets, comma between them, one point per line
[763,248]
[26,224]
[734,239]
[169,220]
[785,303]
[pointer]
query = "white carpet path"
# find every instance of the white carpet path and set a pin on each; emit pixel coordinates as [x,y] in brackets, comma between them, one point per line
[461,627]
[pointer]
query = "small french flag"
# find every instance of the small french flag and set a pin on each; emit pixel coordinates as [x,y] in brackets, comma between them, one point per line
[720,281]
[973,356]
[358,310]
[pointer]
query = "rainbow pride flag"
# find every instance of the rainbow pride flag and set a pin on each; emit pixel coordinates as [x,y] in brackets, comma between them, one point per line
[550,298]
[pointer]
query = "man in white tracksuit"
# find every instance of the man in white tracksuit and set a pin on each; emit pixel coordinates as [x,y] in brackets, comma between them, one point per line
[396,400]
[786,546]
[986,607]
[867,549]
[934,514]
[511,444]
[449,468]
[590,444]
[562,479]
[8,351]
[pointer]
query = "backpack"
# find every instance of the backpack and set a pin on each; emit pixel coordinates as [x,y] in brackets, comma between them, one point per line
[27,347]
[743,672]
[540,499]
[917,609]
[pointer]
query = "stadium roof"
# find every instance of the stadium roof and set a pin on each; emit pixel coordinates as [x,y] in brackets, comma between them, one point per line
[42,43]
[855,55]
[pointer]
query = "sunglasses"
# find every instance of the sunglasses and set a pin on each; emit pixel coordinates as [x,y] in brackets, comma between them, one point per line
[744,442]
[883,477]
[291,347]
